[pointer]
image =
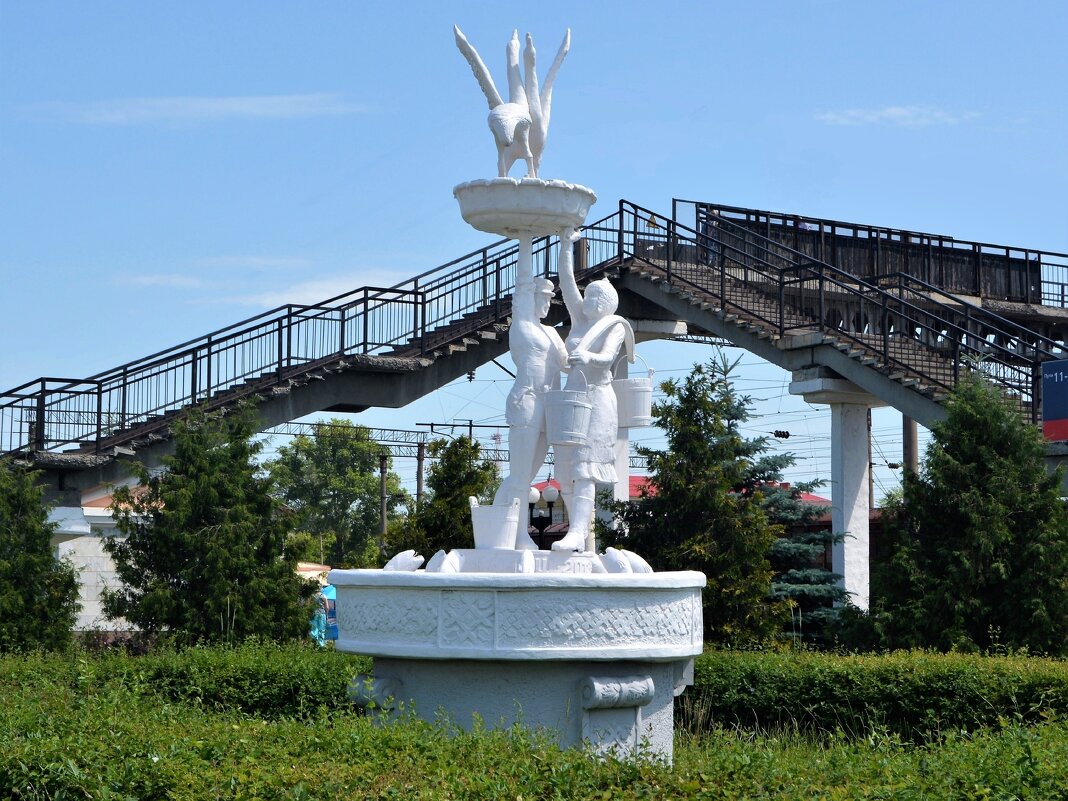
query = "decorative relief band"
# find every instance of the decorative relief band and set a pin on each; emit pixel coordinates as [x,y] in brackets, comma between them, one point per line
[468,619]
[612,693]
[567,618]
[394,615]
[492,623]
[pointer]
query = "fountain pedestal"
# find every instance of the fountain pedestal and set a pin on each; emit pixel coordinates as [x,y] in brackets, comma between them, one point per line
[595,658]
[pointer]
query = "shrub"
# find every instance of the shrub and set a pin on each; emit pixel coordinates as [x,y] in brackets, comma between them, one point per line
[913,694]
[259,678]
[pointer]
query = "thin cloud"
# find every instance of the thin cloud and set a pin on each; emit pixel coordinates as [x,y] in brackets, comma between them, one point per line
[901,116]
[189,110]
[254,262]
[318,290]
[169,280]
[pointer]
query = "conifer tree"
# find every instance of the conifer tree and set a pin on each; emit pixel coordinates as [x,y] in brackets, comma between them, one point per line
[815,594]
[705,510]
[202,558]
[38,593]
[978,549]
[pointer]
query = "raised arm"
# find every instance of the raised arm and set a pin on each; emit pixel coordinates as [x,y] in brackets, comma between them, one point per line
[523,296]
[568,287]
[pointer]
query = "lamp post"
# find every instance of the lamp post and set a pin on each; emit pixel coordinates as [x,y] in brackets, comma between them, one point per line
[551,495]
[533,496]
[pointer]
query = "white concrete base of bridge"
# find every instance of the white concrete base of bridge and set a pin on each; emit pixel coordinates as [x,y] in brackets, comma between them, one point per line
[849,498]
[850,474]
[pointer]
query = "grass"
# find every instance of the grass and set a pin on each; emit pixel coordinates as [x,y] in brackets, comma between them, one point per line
[79,727]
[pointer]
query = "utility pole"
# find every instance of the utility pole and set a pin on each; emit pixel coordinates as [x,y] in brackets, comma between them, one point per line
[383,461]
[420,458]
[910,454]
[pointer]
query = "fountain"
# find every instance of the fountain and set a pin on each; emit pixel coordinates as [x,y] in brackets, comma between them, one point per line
[593,647]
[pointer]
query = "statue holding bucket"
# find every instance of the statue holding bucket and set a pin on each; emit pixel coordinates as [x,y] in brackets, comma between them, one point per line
[583,417]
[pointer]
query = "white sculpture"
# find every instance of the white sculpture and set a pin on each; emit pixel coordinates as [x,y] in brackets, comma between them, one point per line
[524,210]
[405,560]
[594,345]
[520,126]
[593,648]
[539,356]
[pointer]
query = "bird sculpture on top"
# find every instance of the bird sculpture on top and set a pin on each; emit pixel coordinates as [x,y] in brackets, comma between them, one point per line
[520,126]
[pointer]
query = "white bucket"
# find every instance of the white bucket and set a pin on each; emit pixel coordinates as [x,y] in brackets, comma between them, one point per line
[495,525]
[634,399]
[567,416]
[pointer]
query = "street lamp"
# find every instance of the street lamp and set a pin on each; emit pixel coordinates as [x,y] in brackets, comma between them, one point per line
[533,496]
[551,495]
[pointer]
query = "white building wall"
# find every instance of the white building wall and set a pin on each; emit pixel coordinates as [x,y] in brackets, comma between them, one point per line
[95,570]
[79,538]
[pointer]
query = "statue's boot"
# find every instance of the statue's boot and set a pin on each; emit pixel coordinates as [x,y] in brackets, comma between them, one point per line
[572,541]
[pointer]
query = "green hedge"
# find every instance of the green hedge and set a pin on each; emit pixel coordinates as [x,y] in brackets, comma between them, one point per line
[261,679]
[909,693]
[84,730]
[256,678]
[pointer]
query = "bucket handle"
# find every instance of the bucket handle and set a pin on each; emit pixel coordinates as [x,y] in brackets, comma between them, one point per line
[650,372]
[584,381]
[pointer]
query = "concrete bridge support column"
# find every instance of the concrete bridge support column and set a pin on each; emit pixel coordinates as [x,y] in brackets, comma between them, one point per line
[850,481]
[850,472]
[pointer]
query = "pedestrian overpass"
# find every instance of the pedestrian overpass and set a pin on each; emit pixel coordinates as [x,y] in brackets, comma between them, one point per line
[860,315]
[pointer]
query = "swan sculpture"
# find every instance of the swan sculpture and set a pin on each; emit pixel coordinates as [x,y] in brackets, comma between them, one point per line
[520,126]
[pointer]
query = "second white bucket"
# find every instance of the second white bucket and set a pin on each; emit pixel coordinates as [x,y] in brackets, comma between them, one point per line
[495,525]
[634,399]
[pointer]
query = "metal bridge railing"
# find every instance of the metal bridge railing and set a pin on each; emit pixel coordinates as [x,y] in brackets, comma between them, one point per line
[913,327]
[417,315]
[978,269]
[784,288]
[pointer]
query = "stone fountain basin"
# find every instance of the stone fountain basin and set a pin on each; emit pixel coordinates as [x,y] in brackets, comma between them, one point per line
[519,616]
[515,207]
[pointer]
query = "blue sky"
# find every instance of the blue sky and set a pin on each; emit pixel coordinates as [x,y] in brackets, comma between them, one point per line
[169,169]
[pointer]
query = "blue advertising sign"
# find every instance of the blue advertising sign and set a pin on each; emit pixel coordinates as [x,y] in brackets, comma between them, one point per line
[1055,400]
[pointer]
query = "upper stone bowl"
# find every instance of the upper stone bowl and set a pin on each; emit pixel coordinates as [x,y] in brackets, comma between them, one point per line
[515,207]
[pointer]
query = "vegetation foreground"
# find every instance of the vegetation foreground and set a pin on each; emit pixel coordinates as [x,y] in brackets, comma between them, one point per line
[268,722]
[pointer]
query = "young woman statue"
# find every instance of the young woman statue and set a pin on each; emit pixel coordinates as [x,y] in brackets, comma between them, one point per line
[598,339]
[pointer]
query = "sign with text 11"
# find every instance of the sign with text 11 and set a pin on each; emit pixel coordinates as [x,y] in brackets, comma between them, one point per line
[1055,400]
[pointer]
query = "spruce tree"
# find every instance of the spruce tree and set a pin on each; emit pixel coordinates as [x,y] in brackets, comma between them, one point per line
[38,594]
[978,547]
[815,595]
[443,521]
[705,509]
[201,556]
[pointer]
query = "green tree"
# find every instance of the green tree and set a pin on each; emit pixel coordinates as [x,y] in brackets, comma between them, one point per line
[978,547]
[38,593]
[443,520]
[797,557]
[202,557]
[706,508]
[332,483]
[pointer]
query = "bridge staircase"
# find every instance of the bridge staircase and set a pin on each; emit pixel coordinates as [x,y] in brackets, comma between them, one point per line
[792,308]
[895,335]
